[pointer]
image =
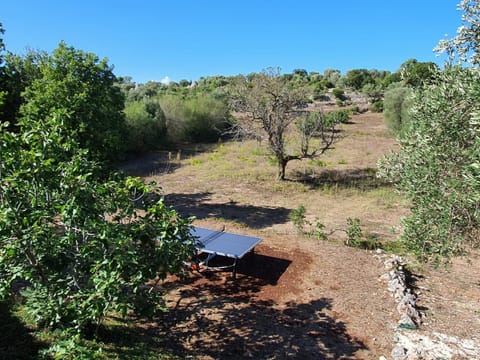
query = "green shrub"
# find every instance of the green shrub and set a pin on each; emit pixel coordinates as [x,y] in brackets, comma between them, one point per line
[354,109]
[354,232]
[69,345]
[376,106]
[198,119]
[397,102]
[298,218]
[338,116]
[339,94]
[356,238]
[318,232]
[146,124]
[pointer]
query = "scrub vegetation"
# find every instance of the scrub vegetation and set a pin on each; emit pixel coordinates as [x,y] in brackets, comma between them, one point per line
[101,180]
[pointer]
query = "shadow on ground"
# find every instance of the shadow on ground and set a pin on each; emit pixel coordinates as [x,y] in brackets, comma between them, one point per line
[16,340]
[161,162]
[155,163]
[266,269]
[212,317]
[225,322]
[362,179]
[198,205]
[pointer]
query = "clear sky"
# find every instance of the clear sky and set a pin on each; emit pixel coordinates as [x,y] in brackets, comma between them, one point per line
[188,39]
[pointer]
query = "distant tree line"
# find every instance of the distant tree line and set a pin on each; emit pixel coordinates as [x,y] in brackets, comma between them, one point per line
[174,121]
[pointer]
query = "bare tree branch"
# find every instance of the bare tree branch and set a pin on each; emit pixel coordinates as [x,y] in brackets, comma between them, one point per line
[271,105]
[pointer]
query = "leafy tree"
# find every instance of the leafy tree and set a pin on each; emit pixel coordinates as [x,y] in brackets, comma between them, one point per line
[84,243]
[78,238]
[358,78]
[318,91]
[332,77]
[184,83]
[373,91]
[83,88]
[272,106]
[301,73]
[315,76]
[415,73]
[391,78]
[126,84]
[147,90]
[211,83]
[438,165]
[2,44]
[2,76]
[379,76]
[18,73]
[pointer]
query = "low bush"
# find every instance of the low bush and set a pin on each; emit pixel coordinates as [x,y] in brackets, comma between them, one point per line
[146,124]
[397,103]
[197,119]
[297,216]
[376,106]
[338,116]
[339,94]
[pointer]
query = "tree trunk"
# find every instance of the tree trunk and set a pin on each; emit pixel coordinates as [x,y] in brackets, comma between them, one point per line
[282,164]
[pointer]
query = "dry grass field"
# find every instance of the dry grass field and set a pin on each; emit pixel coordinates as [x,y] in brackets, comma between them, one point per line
[298,297]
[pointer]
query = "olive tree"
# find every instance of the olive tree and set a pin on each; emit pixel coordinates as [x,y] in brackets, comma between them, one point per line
[358,78]
[272,106]
[465,46]
[438,165]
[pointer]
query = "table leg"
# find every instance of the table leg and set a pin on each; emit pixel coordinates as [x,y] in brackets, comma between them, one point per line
[234,272]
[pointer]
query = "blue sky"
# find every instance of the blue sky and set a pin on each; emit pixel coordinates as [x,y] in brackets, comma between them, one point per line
[188,39]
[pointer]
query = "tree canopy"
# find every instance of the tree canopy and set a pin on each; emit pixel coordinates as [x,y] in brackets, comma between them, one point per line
[415,73]
[80,86]
[437,166]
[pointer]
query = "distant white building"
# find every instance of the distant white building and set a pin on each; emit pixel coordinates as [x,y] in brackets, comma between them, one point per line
[166,80]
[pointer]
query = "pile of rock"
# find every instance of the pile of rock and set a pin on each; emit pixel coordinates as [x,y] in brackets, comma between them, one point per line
[410,345]
[415,345]
[404,297]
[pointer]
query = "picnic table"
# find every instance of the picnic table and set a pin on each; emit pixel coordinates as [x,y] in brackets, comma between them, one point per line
[220,243]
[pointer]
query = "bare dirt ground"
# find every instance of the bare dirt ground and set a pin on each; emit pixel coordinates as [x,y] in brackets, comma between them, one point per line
[298,297]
